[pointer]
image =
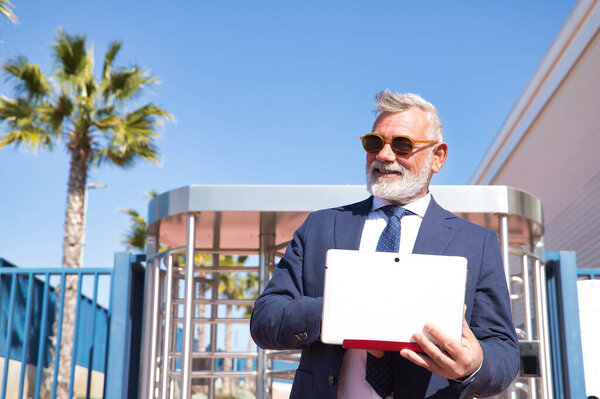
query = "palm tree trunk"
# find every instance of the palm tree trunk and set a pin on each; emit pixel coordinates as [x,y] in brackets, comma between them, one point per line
[73,245]
[74,220]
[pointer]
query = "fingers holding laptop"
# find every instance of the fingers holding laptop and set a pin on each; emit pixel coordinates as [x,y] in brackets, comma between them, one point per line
[455,361]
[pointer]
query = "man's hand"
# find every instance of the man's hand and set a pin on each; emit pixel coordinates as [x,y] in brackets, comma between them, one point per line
[456,360]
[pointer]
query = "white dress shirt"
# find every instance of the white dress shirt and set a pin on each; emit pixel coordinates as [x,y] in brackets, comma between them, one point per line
[351,380]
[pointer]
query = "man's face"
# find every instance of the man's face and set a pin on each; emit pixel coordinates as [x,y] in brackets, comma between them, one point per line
[402,180]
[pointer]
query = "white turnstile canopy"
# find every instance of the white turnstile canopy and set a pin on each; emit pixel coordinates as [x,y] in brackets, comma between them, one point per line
[240,208]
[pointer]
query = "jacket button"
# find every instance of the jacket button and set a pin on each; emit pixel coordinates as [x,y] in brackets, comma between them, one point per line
[304,336]
[296,338]
[330,379]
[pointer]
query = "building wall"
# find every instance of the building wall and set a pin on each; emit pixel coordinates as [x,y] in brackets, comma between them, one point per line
[558,160]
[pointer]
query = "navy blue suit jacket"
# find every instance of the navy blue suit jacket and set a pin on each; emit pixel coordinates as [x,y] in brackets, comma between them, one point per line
[287,315]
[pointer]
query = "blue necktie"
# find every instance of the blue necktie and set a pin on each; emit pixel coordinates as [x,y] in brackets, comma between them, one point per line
[379,370]
[389,241]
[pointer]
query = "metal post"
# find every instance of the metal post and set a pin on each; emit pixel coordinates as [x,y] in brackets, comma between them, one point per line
[167,328]
[121,326]
[544,332]
[186,361]
[541,335]
[145,359]
[214,308]
[85,208]
[504,247]
[154,316]
[533,391]
[267,242]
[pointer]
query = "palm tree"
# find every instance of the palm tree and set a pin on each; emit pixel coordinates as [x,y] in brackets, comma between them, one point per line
[6,10]
[99,124]
[136,236]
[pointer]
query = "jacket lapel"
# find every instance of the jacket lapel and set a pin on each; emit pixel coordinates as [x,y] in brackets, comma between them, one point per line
[349,224]
[437,231]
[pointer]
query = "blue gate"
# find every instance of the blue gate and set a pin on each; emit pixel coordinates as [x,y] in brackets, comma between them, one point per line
[108,312]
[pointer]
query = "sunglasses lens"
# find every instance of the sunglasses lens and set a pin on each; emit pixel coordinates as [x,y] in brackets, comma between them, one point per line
[372,143]
[402,145]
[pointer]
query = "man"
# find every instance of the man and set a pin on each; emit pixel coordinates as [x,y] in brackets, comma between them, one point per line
[403,151]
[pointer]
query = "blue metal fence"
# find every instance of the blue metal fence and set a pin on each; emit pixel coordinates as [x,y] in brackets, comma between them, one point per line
[127,303]
[106,335]
[29,310]
[31,301]
[563,316]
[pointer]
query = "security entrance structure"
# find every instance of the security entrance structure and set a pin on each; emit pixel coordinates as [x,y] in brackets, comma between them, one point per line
[209,245]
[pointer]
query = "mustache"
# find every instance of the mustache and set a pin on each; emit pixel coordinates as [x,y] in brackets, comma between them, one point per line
[391,167]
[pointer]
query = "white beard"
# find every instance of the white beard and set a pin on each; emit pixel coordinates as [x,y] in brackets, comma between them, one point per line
[402,188]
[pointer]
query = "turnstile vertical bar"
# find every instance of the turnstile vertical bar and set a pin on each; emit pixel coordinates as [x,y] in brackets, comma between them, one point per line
[543,329]
[511,392]
[504,246]
[154,313]
[537,282]
[144,380]
[533,390]
[186,347]
[214,308]
[267,241]
[167,328]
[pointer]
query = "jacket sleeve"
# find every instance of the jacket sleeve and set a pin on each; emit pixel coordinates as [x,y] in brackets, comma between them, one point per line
[491,322]
[284,317]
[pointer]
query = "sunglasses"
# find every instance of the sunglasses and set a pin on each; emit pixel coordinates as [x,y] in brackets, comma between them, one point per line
[402,146]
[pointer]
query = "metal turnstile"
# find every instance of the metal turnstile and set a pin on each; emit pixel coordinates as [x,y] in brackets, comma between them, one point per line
[196,234]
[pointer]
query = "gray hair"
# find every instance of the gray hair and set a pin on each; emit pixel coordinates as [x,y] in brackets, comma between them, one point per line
[387,101]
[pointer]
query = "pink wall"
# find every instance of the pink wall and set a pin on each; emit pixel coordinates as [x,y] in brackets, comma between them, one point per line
[558,160]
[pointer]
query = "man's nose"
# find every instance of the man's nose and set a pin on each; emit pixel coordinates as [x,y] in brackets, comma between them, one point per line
[386,154]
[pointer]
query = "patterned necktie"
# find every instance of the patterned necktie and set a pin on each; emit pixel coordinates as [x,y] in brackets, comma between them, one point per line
[379,370]
[389,241]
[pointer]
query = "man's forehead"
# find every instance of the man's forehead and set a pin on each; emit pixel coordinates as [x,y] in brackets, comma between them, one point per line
[410,117]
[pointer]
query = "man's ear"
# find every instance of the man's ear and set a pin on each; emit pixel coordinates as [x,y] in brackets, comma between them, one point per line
[439,157]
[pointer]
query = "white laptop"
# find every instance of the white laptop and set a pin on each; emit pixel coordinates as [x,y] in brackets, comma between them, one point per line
[378,300]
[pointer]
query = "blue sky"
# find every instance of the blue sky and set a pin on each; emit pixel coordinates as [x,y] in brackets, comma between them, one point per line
[267,92]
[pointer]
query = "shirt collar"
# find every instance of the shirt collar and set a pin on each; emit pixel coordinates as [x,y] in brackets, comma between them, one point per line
[418,207]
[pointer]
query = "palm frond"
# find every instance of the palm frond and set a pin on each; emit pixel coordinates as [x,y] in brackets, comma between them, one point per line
[109,58]
[105,111]
[14,111]
[23,120]
[74,61]
[133,137]
[143,121]
[109,122]
[152,193]
[55,114]
[90,87]
[30,136]
[5,9]
[137,235]
[124,154]
[29,78]
[124,84]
